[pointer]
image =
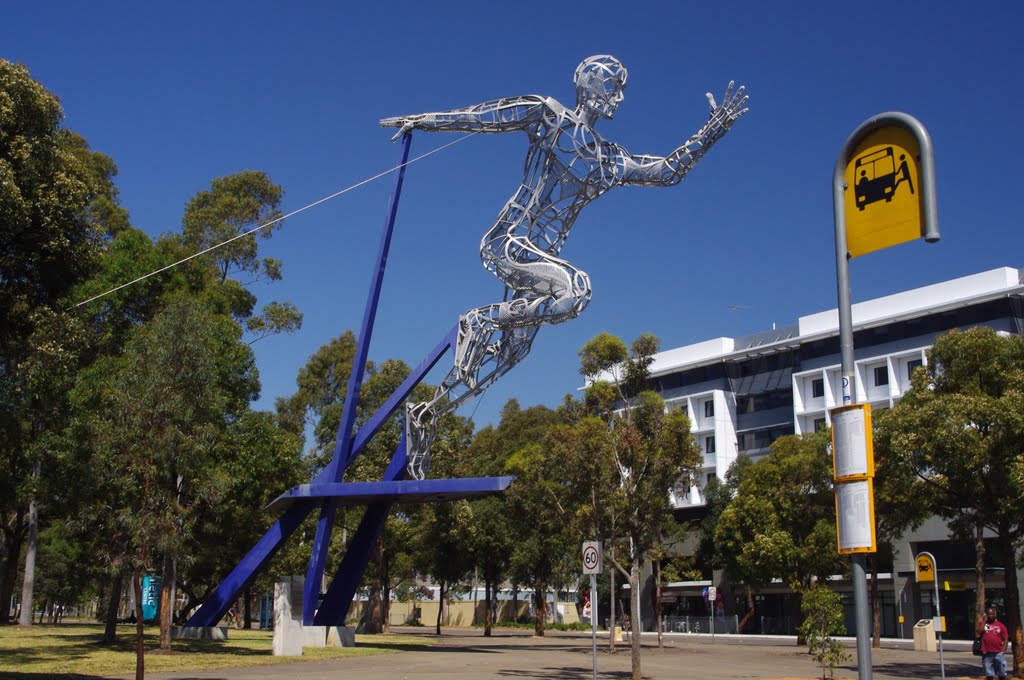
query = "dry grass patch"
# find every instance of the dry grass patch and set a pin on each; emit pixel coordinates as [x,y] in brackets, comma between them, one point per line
[73,650]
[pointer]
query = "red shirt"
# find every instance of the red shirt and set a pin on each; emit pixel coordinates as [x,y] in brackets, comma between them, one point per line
[993,637]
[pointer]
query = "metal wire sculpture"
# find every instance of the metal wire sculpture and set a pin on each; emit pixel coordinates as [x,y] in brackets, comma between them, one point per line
[567,166]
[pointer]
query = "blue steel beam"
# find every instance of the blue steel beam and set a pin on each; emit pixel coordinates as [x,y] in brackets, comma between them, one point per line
[343,442]
[338,598]
[227,592]
[411,491]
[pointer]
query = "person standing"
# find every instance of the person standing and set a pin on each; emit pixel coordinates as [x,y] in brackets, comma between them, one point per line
[994,637]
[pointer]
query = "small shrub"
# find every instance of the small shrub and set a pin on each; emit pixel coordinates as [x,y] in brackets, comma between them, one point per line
[823,612]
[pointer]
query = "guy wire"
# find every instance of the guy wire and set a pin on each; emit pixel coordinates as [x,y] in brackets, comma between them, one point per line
[275,221]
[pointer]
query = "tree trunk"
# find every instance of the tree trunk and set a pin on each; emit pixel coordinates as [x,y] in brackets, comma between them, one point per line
[876,614]
[1013,622]
[657,599]
[634,618]
[110,629]
[611,607]
[140,640]
[440,606]
[750,609]
[540,607]
[247,608]
[29,579]
[13,535]
[385,596]
[488,618]
[167,578]
[373,607]
[979,575]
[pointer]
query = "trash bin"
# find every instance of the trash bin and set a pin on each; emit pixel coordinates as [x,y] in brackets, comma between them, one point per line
[924,636]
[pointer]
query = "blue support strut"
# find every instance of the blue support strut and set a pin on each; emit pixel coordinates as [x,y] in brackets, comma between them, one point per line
[339,595]
[227,592]
[343,446]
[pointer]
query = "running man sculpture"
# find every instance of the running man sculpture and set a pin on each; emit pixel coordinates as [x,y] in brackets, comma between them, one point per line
[567,166]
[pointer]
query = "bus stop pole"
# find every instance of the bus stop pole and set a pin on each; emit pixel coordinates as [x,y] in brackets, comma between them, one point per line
[859,576]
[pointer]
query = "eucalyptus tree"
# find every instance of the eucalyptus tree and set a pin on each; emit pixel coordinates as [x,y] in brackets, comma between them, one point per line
[903,501]
[497,533]
[253,460]
[961,428]
[183,377]
[622,455]
[231,216]
[781,522]
[58,204]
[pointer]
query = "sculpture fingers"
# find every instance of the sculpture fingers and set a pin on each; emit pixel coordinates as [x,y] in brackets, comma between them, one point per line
[728,93]
[740,106]
[406,129]
[711,100]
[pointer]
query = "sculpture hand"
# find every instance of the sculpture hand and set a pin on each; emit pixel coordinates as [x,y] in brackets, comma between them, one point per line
[403,122]
[734,105]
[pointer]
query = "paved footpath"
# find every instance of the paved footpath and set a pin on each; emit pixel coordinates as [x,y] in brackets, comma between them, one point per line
[463,654]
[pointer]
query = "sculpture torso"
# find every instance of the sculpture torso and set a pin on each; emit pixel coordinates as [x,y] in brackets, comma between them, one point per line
[567,166]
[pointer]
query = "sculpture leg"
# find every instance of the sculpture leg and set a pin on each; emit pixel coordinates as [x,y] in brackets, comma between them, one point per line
[421,418]
[494,338]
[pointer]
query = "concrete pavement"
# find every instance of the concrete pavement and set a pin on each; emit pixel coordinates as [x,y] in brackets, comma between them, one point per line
[463,654]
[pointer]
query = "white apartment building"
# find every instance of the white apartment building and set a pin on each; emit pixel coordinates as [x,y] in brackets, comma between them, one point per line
[743,393]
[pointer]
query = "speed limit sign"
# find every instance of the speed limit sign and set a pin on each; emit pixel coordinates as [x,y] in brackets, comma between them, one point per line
[592,557]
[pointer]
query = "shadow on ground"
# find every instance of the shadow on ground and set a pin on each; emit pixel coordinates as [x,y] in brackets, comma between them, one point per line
[924,670]
[563,673]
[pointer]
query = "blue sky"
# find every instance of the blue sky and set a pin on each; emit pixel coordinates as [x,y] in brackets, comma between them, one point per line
[181,93]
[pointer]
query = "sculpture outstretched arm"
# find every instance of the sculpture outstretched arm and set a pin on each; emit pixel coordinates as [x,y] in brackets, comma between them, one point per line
[659,171]
[500,115]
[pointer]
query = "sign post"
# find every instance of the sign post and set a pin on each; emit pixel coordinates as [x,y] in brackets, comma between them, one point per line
[712,596]
[592,564]
[926,569]
[883,194]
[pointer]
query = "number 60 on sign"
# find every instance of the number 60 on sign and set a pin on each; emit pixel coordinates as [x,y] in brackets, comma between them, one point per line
[592,562]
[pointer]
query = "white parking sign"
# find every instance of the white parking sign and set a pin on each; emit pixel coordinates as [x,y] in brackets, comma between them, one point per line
[592,557]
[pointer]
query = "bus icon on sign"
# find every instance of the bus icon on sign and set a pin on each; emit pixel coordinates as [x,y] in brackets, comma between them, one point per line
[877,177]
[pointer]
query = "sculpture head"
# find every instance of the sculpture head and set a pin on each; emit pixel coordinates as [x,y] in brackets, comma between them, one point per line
[600,81]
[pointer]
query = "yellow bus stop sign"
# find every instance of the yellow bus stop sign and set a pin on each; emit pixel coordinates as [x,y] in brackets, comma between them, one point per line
[925,568]
[883,191]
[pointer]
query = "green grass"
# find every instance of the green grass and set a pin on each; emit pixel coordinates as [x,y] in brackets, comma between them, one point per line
[72,650]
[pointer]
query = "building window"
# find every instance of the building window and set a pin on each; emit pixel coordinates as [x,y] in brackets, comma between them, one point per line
[709,444]
[881,375]
[819,424]
[709,408]
[711,475]
[817,388]
[911,365]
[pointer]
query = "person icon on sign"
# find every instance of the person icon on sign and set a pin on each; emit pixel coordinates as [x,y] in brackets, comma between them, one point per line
[903,174]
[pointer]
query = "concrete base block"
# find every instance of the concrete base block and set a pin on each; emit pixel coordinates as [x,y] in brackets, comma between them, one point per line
[288,634]
[341,636]
[197,633]
[314,636]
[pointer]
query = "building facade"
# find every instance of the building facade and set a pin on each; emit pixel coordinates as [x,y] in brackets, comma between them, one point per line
[743,393]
